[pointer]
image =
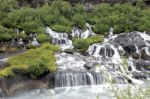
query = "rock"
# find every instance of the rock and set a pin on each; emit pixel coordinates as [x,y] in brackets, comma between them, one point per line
[90,65]
[131,42]
[142,65]
[11,85]
[135,55]
[70,51]
[3,64]
[144,55]
[1,93]
[85,53]
[139,75]
[108,51]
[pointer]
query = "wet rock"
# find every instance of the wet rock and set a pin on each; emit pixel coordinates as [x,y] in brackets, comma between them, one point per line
[85,53]
[139,75]
[1,94]
[1,91]
[91,65]
[135,55]
[130,41]
[88,66]
[130,49]
[3,64]
[11,85]
[142,65]
[69,51]
[144,55]
[107,51]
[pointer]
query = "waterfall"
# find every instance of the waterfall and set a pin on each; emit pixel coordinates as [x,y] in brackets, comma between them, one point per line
[76,32]
[60,39]
[77,78]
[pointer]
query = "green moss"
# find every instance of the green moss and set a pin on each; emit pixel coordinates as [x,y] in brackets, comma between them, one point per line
[83,44]
[34,61]
[6,72]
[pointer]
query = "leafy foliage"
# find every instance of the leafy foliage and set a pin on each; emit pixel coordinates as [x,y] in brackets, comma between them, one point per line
[83,44]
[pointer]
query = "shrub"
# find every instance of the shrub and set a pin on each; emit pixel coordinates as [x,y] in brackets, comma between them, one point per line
[6,34]
[94,39]
[80,44]
[61,28]
[78,20]
[43,38]
[38,67]
[83,44]
[7,6]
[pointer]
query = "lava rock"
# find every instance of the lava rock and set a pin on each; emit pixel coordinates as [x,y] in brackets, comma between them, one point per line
[135,55]
[144,55]
[130,41]
[139,75]
[108,51]
[69,51]
[85,53]
[90,65]
[142,65]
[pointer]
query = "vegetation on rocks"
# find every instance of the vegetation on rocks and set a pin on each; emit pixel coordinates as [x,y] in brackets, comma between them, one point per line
[83,44]
[34,61]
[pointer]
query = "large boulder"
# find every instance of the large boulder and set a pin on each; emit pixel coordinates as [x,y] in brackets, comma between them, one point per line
[142,65]
[10,85]
[130,41]
[145,54]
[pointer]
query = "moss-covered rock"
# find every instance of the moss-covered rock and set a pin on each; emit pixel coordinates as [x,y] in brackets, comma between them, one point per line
[34,61]
[83,44]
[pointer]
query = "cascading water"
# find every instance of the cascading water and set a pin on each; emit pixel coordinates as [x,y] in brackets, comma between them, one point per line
[76,32]
[119,59]
[114,60]
[60,39]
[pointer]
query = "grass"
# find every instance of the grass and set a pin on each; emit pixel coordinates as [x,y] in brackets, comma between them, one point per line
[34,61]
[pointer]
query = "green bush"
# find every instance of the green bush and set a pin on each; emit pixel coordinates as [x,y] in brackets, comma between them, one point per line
[6,34]
[78,20]
[43,38]
[34,61]
[38,67]
[80,44]
[83,44]
[7,6]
